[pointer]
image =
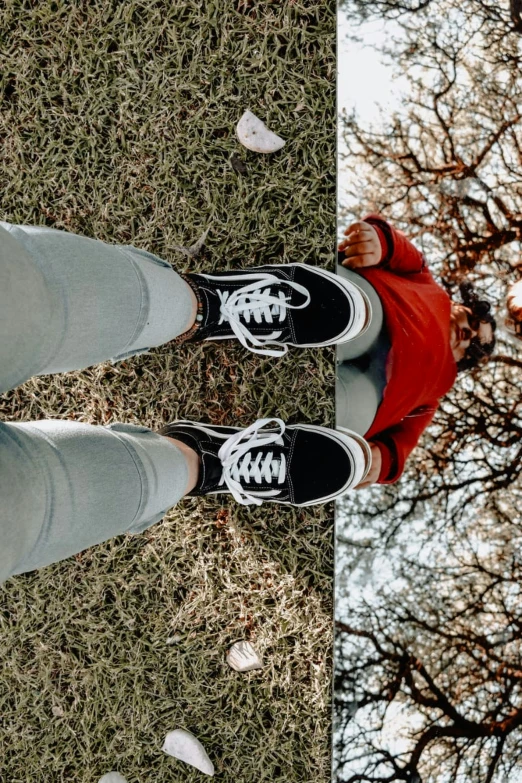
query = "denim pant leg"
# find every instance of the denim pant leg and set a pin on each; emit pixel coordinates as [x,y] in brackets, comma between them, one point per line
[68,302]
[66,486]
[358,391]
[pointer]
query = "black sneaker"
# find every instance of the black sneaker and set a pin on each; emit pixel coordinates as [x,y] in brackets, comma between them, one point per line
[278,305]
[298,465]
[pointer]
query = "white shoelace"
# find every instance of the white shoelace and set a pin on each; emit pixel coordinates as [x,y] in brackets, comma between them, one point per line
[238,463]
[255,300]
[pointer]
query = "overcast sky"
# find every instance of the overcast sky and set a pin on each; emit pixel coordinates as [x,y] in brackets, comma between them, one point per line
[363,81]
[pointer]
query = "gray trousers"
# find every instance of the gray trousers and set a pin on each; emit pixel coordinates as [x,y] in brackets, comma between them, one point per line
[67,302]
[361,366]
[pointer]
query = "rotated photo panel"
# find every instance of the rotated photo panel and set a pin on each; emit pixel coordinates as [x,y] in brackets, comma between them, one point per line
[428,650]
[169,310]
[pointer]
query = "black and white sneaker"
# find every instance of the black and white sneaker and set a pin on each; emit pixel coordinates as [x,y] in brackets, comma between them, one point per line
[300,465]
[270,307]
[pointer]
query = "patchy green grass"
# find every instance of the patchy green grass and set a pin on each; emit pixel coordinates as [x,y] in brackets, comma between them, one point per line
[118,123]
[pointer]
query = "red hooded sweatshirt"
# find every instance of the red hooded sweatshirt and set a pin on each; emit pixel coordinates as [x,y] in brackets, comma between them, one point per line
[420,368]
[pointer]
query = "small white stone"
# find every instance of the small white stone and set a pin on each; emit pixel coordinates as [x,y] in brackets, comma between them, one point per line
[112,777]
[254,135]
[184,746]
[173,639]
[243,658]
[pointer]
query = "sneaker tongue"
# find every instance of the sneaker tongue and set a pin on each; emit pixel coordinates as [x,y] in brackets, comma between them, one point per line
[276,452]
[276,287]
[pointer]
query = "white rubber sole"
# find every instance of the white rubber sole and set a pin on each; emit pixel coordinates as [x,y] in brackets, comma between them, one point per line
[363,444]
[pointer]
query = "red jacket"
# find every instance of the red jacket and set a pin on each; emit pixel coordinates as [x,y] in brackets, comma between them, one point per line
[420,367]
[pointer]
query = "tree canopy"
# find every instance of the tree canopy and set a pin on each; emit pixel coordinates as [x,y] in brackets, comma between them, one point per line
[429,659]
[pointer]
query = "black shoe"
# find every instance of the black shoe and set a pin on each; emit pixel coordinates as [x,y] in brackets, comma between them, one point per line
[298,465]
[278,305]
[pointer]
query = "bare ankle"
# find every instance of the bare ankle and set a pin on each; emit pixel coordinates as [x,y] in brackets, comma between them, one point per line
[193,463]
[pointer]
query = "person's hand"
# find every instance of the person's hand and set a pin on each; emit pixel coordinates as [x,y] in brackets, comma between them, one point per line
[361,246]
[375,470]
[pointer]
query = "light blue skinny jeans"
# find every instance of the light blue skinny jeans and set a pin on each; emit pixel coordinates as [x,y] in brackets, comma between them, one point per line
[359,386]
[67,302]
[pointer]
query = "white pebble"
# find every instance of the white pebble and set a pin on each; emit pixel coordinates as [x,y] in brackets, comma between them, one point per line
[243,658]
[254,135]
[185,747]
[112,777]
[173,639]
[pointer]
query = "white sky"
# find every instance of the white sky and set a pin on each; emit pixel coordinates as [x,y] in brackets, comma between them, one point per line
[363,81]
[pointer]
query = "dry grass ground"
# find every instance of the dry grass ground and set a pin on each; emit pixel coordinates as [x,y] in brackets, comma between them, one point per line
[117,121]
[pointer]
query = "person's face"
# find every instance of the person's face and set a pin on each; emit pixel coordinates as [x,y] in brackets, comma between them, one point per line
[464,326]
